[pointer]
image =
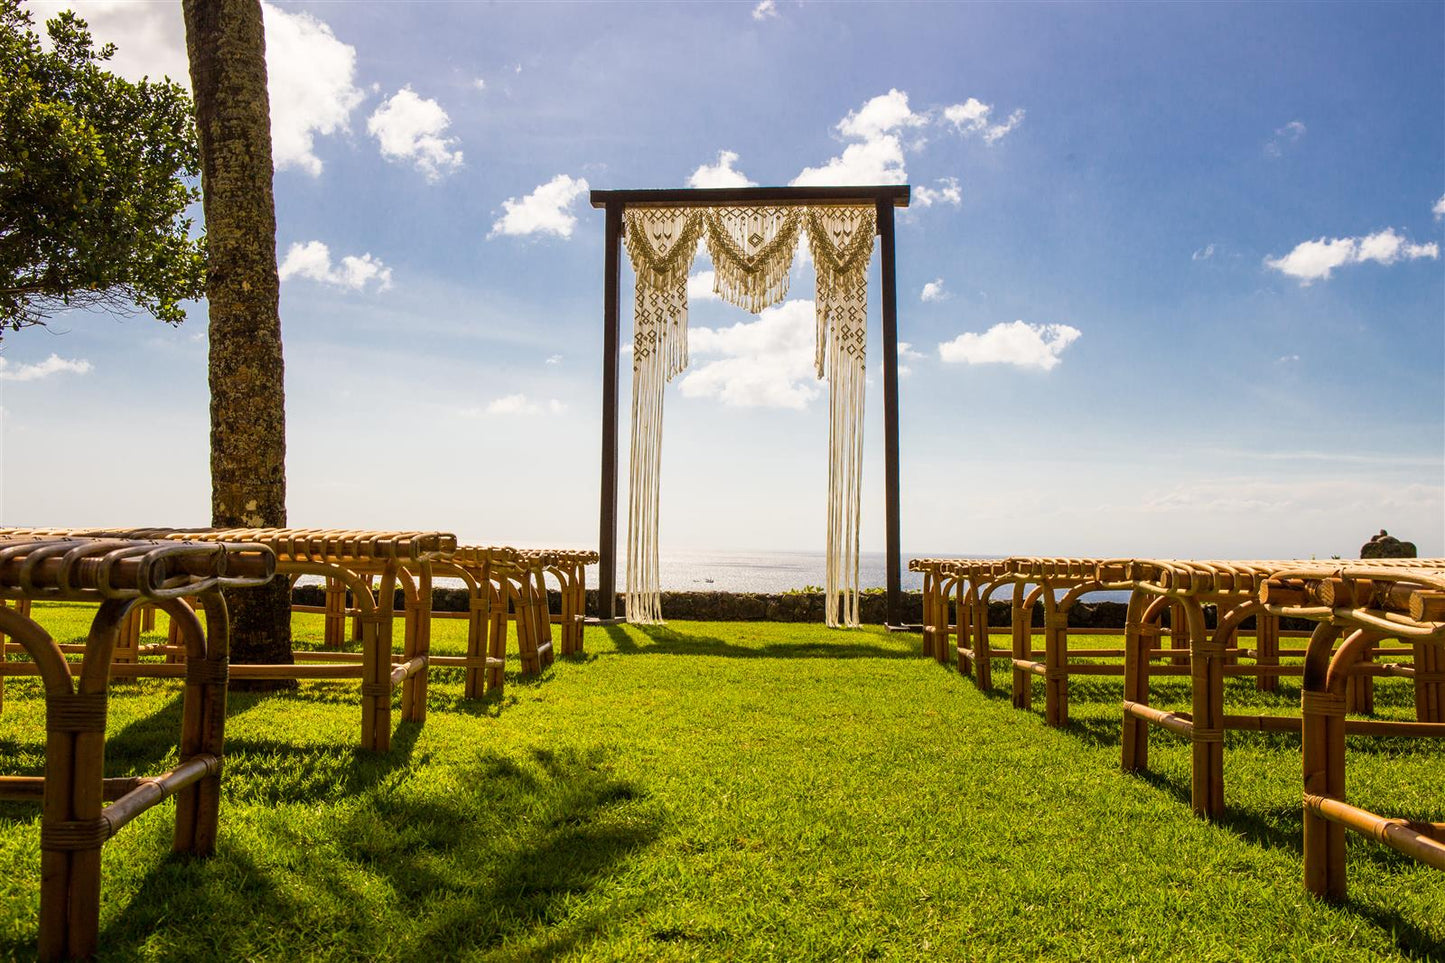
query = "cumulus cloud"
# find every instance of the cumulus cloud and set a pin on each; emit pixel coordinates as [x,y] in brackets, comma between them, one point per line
[544,211]
[877,157]
[765,363]
[933,291]
[906,357]
[310,73]
[947,193]
[1016,343]
[1316,260]
[1286,136]
[413,128]
[1439,209]
[312,261]
[700,286]
[721,174]
[765,10]
[975,117]
[554,359]
[1203,254]
[54,364]
[311,77]
[518,404]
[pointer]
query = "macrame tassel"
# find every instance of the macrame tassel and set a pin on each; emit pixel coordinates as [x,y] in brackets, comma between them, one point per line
[662,244]
[845,470]
[841,240]
[752,252]
[644,598]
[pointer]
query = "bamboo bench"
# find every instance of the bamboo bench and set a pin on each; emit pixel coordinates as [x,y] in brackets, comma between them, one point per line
[1180,588]
[354,558]
[1363,604]
[74,824]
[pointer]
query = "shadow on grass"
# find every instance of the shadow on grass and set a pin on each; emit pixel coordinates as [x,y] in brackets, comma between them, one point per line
[665,641]
[411,872]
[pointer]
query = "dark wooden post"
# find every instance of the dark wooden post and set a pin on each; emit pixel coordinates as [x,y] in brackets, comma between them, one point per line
[611,324]
[894,614]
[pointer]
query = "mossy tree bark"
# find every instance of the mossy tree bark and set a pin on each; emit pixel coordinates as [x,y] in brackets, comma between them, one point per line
[226,42]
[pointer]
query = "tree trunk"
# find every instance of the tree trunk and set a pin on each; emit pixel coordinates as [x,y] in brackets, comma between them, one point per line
[226,41]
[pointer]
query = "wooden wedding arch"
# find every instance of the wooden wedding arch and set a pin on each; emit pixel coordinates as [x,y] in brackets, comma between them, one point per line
[885,198]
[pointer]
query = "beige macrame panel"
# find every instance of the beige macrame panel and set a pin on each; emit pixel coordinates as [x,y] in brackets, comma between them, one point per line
[752,251]
[841,240]
[661,243]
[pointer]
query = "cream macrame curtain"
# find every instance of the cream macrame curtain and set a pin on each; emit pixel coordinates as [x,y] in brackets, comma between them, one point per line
[752,250]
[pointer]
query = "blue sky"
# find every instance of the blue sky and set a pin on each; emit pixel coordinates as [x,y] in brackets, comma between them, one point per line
[1171,284]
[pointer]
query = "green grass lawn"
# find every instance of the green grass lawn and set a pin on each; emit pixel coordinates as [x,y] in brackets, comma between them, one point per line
[728,791]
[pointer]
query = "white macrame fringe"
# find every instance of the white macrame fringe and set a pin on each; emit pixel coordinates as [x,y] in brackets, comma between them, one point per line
[845,469]
[644,597]
[752,251]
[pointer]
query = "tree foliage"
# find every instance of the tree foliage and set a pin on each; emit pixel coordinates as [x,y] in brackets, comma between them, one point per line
[96,175]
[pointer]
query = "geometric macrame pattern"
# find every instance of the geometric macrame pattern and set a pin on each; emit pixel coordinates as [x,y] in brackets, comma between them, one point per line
[752,250]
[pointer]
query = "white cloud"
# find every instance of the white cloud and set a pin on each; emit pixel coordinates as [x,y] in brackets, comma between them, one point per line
[1203,254]
[948,193]
[720,174]
[310,74]
[700,286]
[766,363]
[1286,136]
[1316,260]
[312,261]
[972,117]
[518,404]
[765,10]
[480,83]
[884,114]
[877,158]
[1286,359]
[1439,209]
[933,291]
[311,77]
[906,357]
[54,364]
[1015,343]
[554,359]
[544,211]
[412,128]
[878,161]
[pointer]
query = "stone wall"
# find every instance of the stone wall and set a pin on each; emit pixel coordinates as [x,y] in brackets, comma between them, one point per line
[794,607]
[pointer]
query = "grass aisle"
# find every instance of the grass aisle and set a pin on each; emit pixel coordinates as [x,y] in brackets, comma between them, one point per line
[716,791]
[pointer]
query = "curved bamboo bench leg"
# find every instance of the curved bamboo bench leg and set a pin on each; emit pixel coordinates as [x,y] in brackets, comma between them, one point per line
[1206,670]
[1429,682]
[1266,644]
[1023,683]
[983,645]
[500,597]
[203,721]
[1139,638]
[1056,673]
[376,665]
[1323,752]
[478,621]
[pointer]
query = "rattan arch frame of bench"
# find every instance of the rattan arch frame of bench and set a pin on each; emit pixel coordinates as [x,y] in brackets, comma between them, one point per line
[74,823]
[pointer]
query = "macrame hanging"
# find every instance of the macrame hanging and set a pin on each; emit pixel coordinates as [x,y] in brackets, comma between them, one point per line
[841,241]
[661,243]
[752,250]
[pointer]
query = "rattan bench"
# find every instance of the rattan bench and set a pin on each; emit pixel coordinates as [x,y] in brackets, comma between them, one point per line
[74,824]
[1357,605]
